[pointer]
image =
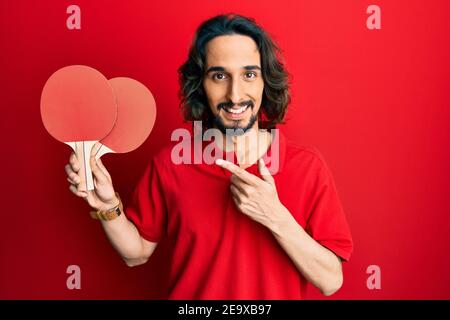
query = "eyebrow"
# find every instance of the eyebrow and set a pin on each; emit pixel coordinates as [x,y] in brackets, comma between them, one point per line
[251,67]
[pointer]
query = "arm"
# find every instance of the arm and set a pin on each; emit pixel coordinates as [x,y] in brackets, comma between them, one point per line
[258,199]
[125,239]
[318,265]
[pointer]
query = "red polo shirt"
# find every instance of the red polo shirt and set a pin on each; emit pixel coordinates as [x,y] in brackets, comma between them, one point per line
[220,253]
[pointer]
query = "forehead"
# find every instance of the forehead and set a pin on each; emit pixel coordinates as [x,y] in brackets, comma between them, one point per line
[232,51]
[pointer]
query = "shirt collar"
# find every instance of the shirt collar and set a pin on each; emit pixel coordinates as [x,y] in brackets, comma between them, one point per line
[274,163]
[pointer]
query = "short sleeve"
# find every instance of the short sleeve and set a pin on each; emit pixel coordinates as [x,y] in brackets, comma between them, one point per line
[326,222]
[147,210]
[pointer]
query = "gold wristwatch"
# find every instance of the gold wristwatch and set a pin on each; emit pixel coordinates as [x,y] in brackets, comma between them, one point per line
[109,214]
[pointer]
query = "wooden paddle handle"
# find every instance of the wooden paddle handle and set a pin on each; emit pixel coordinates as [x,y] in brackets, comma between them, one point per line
[101,150]
[83,152]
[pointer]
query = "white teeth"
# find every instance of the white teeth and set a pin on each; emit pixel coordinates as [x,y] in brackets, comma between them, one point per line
[237,111]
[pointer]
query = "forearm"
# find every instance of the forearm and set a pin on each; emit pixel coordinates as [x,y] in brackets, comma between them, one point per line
[125,238]
[317,264]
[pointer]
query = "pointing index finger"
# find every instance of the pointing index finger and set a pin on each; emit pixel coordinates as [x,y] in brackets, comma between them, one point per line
[237,171]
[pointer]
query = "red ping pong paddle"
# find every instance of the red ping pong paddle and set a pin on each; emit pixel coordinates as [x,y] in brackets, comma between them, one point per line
[136,114]
[78,107]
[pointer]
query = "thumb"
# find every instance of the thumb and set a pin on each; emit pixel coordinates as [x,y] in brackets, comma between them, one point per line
[265,173]
[97,171]
[103,168]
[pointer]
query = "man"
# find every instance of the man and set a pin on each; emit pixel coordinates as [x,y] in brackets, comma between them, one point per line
[241,231]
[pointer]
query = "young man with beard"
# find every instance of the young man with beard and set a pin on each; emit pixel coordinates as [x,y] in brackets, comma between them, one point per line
[241,231]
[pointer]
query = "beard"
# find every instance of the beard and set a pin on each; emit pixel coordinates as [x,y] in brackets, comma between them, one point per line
[235,129]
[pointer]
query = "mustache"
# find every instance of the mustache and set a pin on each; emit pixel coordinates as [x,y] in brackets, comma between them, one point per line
[231,104]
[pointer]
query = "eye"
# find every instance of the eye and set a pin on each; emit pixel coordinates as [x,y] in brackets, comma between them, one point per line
[219,76]
[250,75]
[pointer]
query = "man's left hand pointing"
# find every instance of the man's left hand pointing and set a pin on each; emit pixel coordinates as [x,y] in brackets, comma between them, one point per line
[255,197]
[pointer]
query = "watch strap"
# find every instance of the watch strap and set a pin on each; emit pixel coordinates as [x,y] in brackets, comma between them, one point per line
[109,214]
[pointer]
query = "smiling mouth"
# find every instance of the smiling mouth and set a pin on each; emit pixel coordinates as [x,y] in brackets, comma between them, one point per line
[237,110]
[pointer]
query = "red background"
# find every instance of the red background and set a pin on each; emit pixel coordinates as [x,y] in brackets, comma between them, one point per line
[374,102]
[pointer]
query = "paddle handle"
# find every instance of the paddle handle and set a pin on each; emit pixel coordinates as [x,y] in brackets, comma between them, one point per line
[101,150]
[83,152]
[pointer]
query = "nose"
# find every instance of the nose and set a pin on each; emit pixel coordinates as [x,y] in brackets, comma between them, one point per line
[235,93]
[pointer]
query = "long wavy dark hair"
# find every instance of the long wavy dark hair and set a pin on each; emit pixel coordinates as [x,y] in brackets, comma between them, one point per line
[276,96]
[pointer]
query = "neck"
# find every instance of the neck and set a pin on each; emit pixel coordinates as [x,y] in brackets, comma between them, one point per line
[249,147]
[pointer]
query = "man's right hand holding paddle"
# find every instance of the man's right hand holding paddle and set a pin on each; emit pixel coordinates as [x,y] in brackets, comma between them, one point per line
[103,196]
[121,232]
